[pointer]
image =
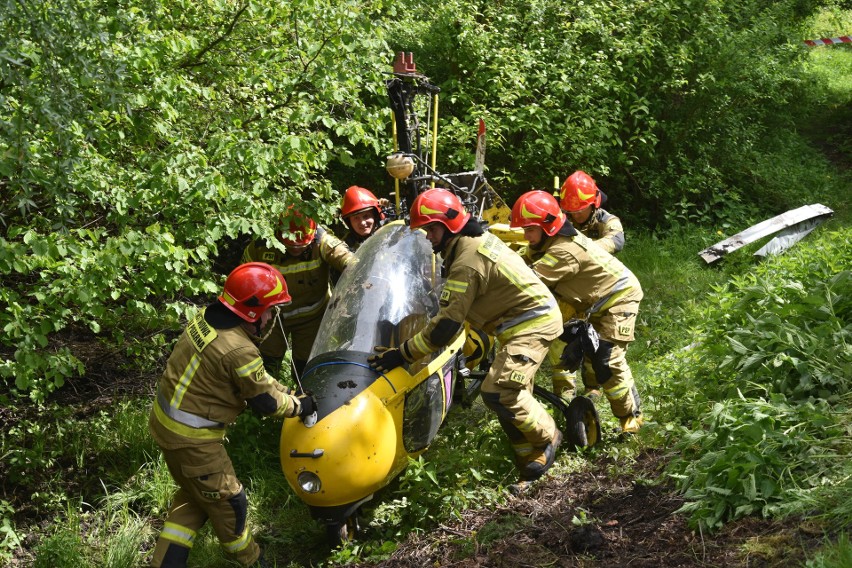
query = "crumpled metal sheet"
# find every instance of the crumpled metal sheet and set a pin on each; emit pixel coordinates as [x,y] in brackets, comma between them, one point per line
[789,236]
[798,222]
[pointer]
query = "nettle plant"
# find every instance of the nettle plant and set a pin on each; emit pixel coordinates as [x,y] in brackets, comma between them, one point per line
[774,365]
[786,326]
[752,454]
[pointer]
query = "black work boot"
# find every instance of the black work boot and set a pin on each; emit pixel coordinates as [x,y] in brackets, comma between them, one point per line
[520,487]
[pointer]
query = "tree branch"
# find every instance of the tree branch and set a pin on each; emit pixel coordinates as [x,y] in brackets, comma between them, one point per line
[306,65]
[195,60]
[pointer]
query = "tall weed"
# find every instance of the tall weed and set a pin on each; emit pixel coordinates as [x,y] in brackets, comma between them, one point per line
[834,554]
[10,538]
[753,455]
[65,546]
[760,395]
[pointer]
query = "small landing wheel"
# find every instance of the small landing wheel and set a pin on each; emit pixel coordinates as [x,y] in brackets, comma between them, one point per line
[342,532]
[584,425]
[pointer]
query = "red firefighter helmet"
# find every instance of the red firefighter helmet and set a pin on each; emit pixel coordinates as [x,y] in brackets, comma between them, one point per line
[578,192]
[357,199]
[538,208]
[252,288]
[438,205]
[303,227]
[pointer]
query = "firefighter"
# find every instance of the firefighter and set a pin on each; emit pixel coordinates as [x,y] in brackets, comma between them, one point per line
[582,199]
[214,372]
[489,286]
[597,286]
[312,252]
[362,213]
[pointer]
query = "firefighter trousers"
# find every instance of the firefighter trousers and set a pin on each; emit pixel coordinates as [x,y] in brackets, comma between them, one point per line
[608,370]
[508,391]
[208,488]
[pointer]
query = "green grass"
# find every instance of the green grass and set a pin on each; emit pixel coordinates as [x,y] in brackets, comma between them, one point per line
[129,504]
[675,281]
[831,66]
[469,459]
[63,549]
[118,538]
[834,554]
[760,401]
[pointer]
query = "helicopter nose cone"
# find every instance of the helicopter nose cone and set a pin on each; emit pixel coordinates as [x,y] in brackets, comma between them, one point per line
[346,455]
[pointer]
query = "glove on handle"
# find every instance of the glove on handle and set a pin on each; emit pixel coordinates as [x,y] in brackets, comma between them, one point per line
[388,359]
[307,406]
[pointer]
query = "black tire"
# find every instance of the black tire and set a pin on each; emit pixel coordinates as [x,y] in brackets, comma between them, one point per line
[551,399]
[584,430]
[339,533]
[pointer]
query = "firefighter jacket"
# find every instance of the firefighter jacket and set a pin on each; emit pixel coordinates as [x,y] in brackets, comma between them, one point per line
[605,229]
[210,377]
[353,240]
[582,274]
[489,286]
[307,275]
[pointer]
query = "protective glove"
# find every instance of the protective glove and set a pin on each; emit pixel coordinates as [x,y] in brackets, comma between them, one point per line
[307,406]
[572,355]
[388,359]
[572,330]
[581,340]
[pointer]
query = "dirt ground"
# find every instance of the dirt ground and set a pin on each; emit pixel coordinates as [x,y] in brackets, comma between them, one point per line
[593,521]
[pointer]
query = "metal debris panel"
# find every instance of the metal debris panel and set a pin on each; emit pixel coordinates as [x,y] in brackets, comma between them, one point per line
[791,218]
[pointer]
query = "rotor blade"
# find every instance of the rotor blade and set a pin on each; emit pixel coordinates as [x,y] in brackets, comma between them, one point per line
[479,165]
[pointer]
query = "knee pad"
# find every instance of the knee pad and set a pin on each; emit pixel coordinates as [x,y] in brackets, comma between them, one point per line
[476,346]
[239,503]
[492,401]
[176,556]
[600,362]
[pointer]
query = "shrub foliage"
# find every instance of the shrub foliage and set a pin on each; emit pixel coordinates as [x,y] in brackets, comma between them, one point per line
[670,103]
[762,396]
[138,138]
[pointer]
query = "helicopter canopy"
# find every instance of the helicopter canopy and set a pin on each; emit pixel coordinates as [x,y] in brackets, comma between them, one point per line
[385,296]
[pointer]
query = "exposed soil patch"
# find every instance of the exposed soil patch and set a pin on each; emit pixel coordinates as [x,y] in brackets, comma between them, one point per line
[591,520]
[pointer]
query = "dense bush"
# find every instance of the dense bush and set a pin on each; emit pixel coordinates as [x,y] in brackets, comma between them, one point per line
[666,102]
[760,400]
[137,140]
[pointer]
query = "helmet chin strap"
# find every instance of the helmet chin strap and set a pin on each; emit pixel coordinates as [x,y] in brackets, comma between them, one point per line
[270,326]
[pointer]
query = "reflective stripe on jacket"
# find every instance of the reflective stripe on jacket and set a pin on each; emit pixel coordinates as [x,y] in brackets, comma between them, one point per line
[583,275]
[605,229]
[492,288]
[307,275]
[209,376]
